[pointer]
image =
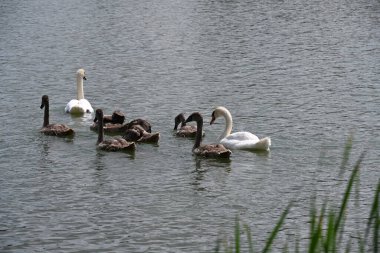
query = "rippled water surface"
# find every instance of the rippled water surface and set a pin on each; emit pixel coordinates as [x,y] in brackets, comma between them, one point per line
[304,73]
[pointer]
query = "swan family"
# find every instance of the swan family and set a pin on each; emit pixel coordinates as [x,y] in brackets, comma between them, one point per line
[140,131]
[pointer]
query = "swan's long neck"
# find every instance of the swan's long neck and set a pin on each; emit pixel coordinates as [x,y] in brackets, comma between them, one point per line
[100,130]
[198,137]
[46,115]
[228,128]
[80,94]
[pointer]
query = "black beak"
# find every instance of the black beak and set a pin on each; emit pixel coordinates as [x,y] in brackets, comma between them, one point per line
[84,78]
[42,106]
[189,119]
[212,120]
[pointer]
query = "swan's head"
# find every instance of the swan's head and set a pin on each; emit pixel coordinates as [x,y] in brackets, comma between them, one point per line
[45,101]
[218,112]
[180,118]
[81,74]
[196,116]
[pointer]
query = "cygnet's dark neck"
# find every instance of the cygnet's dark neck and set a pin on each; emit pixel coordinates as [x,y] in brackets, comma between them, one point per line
[183,120]
[198,137]
[46,114]
[100,128]
[180,119]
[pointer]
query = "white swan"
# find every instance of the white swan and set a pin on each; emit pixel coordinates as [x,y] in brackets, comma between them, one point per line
[238,140]
[79,105]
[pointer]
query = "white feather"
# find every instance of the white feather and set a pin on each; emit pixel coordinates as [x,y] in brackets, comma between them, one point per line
[76,106]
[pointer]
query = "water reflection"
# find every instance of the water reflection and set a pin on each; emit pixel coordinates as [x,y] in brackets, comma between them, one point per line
[45,161]
[260,153]
[209,163]
[100,177]
[82,120]
[98,161]
[131,154]
[203,166]
[48,159]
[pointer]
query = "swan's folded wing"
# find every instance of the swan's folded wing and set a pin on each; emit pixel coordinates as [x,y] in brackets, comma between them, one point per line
[57,130]
[79,106]
[116,145]
[212,150]
[242,136]
[71,104]
[263,144]
[86,105]
[246,140]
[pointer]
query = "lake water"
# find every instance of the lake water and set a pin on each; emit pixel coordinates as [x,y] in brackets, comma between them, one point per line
[304,73]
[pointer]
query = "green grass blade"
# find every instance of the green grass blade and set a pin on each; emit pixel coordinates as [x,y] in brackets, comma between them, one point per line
[376,234]
[316,232]
[346,154]
[374,213]
[237,235]
[297,247]
[227,247]
[330,239]
[285,250]
[376,218]
[313,216]
[249,238]
[217,247]
[348,192]
[348,247]
[276,229]
[361,244]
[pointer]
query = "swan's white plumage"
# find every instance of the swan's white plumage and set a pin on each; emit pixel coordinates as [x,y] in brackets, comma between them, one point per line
[76,106]
[79,105]
[238,140]
[245,140]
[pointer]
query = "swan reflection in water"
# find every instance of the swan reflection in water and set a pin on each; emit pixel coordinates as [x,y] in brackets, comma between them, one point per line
[220,168]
